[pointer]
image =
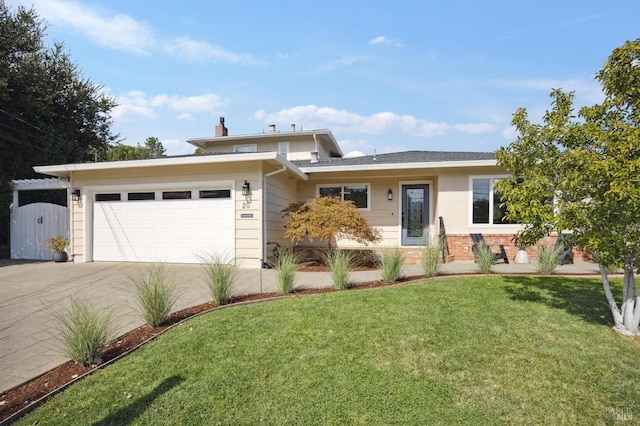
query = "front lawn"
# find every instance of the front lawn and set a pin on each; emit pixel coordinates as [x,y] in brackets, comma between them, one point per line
[481,350]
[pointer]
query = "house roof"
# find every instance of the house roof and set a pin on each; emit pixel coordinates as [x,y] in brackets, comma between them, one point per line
[63,170]
[400,160]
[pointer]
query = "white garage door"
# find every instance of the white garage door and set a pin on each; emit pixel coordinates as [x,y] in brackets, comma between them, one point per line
[163,226]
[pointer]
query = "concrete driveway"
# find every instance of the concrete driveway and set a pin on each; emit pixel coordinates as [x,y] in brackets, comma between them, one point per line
[31,290]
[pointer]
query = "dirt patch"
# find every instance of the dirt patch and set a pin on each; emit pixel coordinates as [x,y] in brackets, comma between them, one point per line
[23,396]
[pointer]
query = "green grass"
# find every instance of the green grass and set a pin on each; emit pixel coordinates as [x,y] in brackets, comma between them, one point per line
[219,273]
[548,259]
[479,350]
[483,257]
[391,264]
[340,262]
[156,292]
[429,256]
[286,266]
[83,331]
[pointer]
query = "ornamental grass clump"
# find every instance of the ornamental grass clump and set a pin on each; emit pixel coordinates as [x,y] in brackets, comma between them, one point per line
[429,258]
[483,257]
[340,262]
[548,259]
[286,265]
[391,264]
[156,293]
[220,273]
[84,331]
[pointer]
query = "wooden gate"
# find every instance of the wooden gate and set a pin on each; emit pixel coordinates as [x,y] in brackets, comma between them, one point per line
[32,224]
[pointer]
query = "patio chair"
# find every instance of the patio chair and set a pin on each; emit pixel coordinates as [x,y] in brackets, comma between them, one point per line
[478,239]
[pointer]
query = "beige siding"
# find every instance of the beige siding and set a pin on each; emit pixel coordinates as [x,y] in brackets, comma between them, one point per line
[248,230]
[382,214]
[281,191]
[299,147]
[454,201]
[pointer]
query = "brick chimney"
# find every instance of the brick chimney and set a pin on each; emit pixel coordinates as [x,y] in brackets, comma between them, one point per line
[221,130]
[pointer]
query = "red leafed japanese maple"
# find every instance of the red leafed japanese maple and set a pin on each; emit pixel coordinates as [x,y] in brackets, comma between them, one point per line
[328,219]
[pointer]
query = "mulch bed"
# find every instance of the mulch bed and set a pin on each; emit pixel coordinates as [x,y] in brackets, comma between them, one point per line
[24,396]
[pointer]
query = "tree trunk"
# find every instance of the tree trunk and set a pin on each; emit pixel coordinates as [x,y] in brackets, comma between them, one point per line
[627,318]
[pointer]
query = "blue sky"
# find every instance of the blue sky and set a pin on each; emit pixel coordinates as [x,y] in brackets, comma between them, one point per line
[382,75]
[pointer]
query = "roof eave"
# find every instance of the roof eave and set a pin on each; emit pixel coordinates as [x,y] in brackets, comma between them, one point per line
[63,170]
[396,166]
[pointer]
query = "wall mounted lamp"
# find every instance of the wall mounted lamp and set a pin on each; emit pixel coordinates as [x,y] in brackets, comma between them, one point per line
[75,195]
[246,189]
[389,194]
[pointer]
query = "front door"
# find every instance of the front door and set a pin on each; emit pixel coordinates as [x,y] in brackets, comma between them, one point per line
[415,214]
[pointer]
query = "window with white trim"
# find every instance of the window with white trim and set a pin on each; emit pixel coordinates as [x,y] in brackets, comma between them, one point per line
[283,148]
[250,147]
[485,202]
[358,193]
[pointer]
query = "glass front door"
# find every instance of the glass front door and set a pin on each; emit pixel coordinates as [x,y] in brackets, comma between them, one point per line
[415,214]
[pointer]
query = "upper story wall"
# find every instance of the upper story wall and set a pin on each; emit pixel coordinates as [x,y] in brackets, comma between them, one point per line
[296,148]
[293,144]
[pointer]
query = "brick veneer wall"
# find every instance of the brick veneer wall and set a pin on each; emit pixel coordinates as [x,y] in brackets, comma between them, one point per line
[460,246]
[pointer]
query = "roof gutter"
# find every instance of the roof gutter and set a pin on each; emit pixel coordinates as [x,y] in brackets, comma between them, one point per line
[396,166]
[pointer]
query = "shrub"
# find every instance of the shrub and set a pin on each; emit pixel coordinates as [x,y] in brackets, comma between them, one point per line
[328,219]
[156,293]
[340,263]
[57,244]
[220,275]
[286,265]
[84,332]
[484,258]
[429,257]
[391,264]
[548,259]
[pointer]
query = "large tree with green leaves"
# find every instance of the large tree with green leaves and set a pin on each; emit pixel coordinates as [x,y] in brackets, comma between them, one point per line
[49,113]
[589,166]
[152,148]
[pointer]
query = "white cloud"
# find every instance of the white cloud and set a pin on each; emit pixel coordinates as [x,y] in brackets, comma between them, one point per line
[122,32]
[202,51]
[137,105]
[338,63]
[587,89]
[380,40]
[184,116]
[385,40]
[356,145]
[510,133]
[199,103]
[579,20]
[383,122]
[177,147]
[133,106]
[108,29]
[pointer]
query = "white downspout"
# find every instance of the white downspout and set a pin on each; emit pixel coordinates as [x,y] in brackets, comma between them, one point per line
[264,211]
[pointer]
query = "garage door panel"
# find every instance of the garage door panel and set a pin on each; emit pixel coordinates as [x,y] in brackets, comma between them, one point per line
[163,230]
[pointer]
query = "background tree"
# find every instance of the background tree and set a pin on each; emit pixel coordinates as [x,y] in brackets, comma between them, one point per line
[328,219]
[590,167]
[152,148]
[49,113]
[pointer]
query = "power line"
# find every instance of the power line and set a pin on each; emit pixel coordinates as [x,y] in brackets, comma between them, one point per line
[31,125]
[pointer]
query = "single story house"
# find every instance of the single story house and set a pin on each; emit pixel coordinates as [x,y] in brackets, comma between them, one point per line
[230,200]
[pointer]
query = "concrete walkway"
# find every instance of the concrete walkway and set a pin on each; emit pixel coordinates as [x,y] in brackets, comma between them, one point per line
[31,291]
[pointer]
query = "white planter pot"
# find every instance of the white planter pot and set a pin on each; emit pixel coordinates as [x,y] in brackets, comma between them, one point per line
[521,256]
